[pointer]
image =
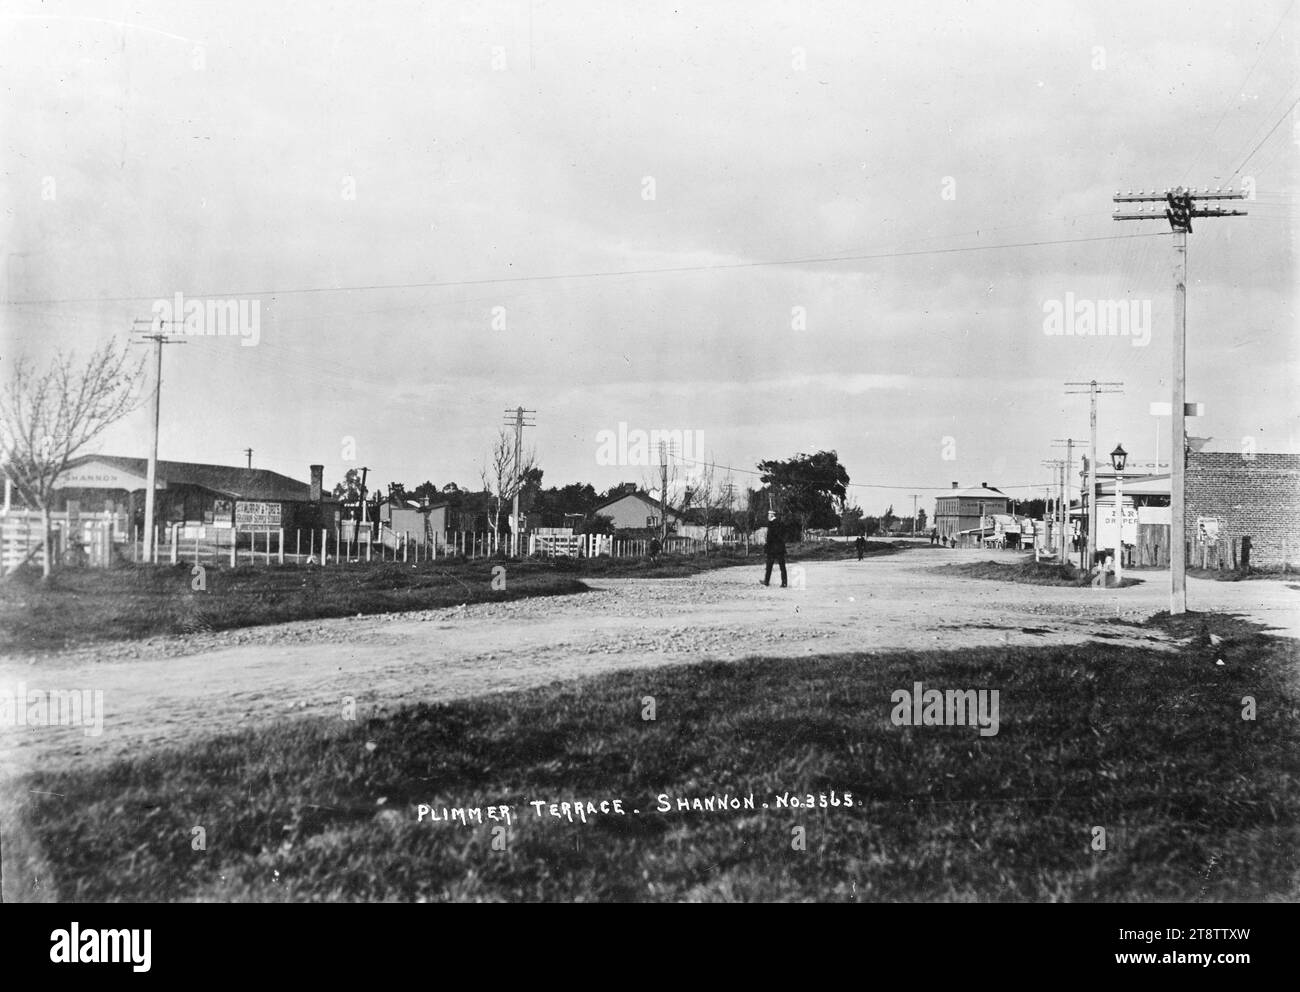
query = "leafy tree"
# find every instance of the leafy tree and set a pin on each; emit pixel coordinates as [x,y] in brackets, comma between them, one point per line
[808,487]
[349,490]
[887,521]
[426,490]
[597,524]
[851,521]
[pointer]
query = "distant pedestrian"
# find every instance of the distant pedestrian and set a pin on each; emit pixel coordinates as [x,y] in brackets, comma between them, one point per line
[655,548]
[774,547]
[861,545]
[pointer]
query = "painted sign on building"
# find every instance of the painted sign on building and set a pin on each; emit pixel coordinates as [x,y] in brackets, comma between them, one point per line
[256,514]
[1106,528]
[97,475]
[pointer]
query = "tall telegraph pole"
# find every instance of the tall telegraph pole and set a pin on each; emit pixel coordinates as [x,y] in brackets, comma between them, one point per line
[1066,469]
[1093,388]
[1180,206]
[1057,465]
[519,421]
[159,339]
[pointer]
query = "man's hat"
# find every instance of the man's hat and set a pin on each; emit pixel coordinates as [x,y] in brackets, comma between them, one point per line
[771,514]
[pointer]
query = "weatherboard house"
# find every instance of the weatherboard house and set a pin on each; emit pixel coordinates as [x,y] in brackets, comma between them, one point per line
[635,509]
[194,494]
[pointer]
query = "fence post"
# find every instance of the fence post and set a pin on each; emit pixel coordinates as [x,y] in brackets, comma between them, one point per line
[135,549]
[173,544]
[234,543]
[281,544]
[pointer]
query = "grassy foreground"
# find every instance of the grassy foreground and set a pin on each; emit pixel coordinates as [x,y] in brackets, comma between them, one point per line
[1197,803]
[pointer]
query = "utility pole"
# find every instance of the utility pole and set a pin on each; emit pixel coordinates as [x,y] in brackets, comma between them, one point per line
[519,422]
[1180,206]
[1058,467]
[1093,388]
[663,493]
[249,453]
[1085,473]
[1069,443]
[361,507]
[159,339]
[914,499]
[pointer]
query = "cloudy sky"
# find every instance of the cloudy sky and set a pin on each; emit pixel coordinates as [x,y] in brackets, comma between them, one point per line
[788,226]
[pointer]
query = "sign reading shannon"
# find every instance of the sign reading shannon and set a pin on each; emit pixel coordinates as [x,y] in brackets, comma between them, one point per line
[98,475]
[256,514]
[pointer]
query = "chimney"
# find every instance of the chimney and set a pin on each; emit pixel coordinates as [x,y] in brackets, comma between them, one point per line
[954,485]
[984,485]
[317,482]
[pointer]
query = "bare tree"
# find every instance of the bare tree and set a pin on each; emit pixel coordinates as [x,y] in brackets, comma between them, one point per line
[47,418]
[707,495]
[502,478]
[675,498]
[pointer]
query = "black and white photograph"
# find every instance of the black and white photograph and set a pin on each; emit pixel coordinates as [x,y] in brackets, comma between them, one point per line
[542,451]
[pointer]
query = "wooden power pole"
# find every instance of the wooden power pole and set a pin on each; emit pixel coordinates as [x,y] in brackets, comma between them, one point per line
[159,339]
[1180,206]
[1093,388]
[519,421]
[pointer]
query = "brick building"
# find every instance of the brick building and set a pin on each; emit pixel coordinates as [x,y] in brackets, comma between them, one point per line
[1230,495]
[965,511]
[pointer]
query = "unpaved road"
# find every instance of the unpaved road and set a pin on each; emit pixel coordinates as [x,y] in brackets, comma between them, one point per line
[167,690]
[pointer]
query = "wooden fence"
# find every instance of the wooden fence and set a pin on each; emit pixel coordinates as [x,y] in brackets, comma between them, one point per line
[83,539]
[101,539]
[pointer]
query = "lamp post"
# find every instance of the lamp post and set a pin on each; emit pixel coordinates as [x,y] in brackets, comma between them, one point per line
[1118,457]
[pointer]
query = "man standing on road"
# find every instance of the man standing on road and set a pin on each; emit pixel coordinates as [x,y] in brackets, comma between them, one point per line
[775,549]
[861,545]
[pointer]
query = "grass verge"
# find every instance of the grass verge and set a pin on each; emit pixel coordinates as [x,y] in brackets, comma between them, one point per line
[85,606]
[1038,573]
[1197,802]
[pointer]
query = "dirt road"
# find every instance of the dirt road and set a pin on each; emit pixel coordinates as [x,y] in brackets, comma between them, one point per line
[169,689]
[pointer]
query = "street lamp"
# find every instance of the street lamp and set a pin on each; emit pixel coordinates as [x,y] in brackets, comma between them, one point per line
[1118,458]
